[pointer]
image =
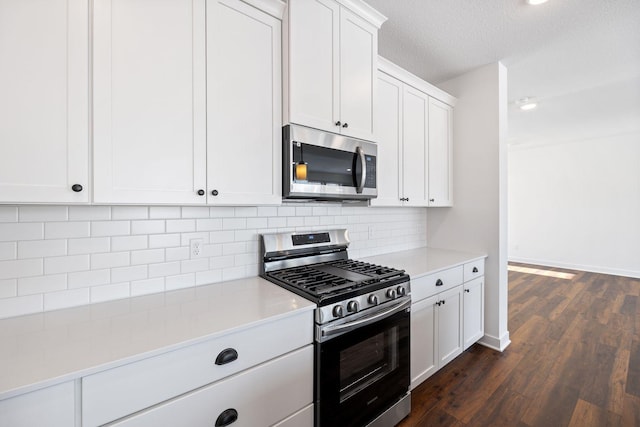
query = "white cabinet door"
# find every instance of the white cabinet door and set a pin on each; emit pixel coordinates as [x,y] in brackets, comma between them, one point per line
[358,64]
[389,137]
[424,360]
[440,153]
[49,407]
[313,55]
[473,304]
[449,325]
[414,143]
[149,101]
[44,104]
[244,105]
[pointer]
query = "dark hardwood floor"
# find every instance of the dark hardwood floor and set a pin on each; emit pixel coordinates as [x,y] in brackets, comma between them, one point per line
[574,360]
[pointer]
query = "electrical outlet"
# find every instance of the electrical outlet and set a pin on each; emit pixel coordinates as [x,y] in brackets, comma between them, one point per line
[196,248]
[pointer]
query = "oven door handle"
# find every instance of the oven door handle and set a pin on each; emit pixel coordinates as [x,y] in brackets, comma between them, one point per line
[367,320]
[363,175]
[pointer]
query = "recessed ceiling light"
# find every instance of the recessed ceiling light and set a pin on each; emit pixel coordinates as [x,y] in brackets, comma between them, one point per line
[536,2]
[529,106]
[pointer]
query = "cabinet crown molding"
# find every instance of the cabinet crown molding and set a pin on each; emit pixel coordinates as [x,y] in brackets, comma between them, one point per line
[365,11]
[414,81]
[274,8]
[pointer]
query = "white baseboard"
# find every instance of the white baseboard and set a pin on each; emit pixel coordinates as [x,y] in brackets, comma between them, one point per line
[495,343]
[581,267]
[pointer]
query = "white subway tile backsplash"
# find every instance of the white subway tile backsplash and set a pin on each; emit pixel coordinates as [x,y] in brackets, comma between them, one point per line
[8,250]
[152,226]
[147,256]
[109,292]
[164,269]
[195,212]
[66,264]
[164,240]
[17,306]
[21,231]
[148,286]
[180,281]
[90,245]
[65,299]
[89,213]
[110,228]
[8,214]
[62,256]
[8,288]
[43,213]
[127,274]
[41,248]
[66,230]
[156,212]
[86,279]
[42,284]
[113,259]
[181,225]
[129,243]
[21,268]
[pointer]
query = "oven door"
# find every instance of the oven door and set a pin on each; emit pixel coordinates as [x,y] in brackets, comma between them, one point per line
[363,372]
[321,165]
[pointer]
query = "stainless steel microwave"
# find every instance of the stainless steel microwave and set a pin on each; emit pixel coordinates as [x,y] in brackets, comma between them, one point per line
[320,165]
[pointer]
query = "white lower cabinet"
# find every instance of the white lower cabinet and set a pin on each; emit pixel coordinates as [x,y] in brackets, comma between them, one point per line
[260,396]
[447,317]
[50,407]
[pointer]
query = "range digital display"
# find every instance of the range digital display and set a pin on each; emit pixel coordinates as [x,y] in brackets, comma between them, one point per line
[311,238]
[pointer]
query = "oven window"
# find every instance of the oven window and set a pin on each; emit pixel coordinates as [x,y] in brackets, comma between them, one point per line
[326,165]
[364,363]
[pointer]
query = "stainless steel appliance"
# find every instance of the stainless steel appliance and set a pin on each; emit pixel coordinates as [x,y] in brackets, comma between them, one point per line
[361,326]
[319,165]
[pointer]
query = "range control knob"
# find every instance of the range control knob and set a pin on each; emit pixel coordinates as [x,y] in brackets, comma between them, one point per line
[352,306]
[338,311]
[391,293]
[401,291]
[373,299]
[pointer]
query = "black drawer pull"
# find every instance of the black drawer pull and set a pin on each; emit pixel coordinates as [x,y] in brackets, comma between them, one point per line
[228,416]
[439,282]
[226,356]
[475,270]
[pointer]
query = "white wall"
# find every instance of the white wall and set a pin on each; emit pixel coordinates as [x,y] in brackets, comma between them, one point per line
[54,257]
[577,204]
[477,220]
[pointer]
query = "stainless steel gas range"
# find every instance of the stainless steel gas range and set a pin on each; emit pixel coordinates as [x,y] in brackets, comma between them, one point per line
[361,326]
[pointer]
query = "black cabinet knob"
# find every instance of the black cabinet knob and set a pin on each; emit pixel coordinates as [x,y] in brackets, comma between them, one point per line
[475,270]
[226,356]
[432,200]
[346,125]
[214,193]
[228,416]
[467,290]
[338,123]
[439,282]
[76,187]
[200,192]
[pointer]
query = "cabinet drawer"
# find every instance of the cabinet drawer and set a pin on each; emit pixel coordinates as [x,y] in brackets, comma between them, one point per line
[261,396]
[473,269]
[302,418]
[49,407]
[426,286]
[133,387]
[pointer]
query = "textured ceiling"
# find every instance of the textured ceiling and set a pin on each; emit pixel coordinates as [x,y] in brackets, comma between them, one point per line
[579,58]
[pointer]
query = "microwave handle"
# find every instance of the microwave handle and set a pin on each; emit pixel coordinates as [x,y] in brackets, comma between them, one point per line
[363,176]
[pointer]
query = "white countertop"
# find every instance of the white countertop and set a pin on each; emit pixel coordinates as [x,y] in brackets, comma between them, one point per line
[48,348]
[423,261]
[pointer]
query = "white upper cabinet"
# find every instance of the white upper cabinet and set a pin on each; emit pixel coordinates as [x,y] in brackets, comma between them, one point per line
[244,105]
[440,153]
[330,65]
[44,86]
[149,101]
[415,150]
